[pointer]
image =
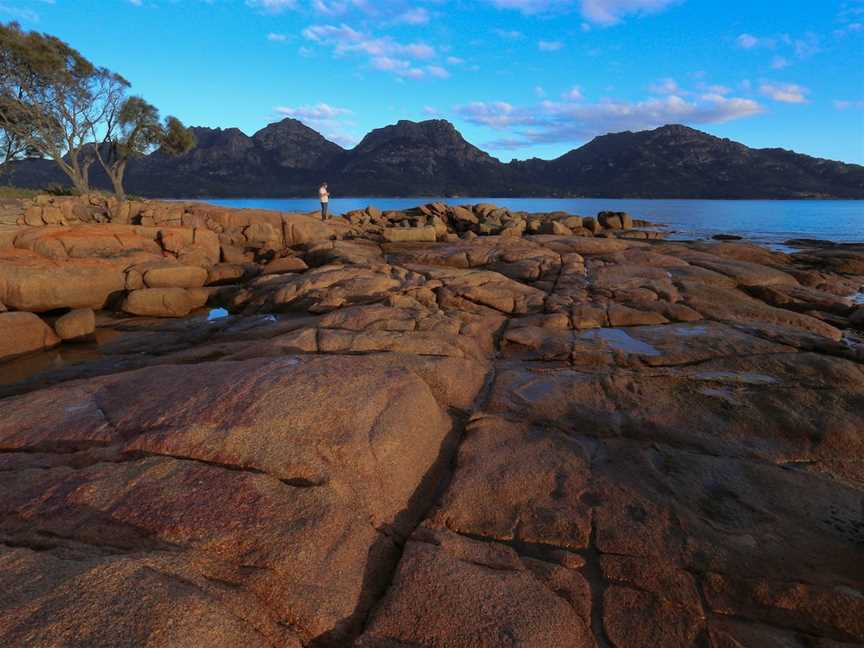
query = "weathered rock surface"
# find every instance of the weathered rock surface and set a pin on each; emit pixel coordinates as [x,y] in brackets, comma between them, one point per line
[22,333]
[76,324]
[163,302]
[499,438]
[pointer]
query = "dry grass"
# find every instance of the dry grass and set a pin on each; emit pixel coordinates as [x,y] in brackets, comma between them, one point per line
[7,191]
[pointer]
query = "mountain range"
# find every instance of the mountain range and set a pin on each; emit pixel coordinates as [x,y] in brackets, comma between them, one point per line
[431,158]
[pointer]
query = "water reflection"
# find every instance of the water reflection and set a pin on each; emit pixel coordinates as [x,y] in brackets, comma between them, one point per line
[69,353]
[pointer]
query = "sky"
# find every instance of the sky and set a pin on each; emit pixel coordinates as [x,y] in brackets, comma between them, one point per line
[518,78]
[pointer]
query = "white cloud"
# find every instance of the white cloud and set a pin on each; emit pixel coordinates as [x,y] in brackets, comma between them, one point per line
[509,34]
[598,12]
[664,87]
[784,92]
[849,105]
[803,47]
[573,94]
[272,6]
[277,38]
[317,112]
[573,121]
[539,91]
[610,12]
[437,71]
[328,120]
[496,114]
[330,8]
[455,60]
[417,16]
[18,13]
[779,62]
[383,52]
[748,41]
[530,6]
[430,111]
[550,46]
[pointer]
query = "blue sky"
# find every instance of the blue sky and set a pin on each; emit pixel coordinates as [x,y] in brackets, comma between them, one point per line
[519,78]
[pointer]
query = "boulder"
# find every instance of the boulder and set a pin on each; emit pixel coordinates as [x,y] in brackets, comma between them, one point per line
[591,225]
[299,229]
[410,234]
[30,282]
[76,324]
[174,276]
[226,273]
[164,302]
[23,333]
[555,227]
[285,264]
[615,220]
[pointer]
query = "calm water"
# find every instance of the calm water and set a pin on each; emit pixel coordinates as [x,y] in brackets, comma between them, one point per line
[769,221]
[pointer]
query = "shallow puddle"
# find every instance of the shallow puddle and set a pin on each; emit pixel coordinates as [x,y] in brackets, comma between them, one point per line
[70,353]
[688,330]
[621,341]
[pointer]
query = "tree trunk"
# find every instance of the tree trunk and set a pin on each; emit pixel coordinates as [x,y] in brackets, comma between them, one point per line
[119,211]
[117,180]
[77,174]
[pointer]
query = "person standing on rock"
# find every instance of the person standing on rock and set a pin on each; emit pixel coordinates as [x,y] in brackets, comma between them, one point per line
[324,195]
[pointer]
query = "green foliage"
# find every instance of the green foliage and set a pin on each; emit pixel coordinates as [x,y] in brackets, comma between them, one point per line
[176,138]
[52,99]
[133,130]
[55,103]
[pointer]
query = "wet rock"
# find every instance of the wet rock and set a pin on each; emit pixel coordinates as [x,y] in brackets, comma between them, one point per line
[23,333]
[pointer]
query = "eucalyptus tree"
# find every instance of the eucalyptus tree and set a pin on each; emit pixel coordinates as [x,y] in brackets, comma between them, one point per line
[133,129]
[52,100]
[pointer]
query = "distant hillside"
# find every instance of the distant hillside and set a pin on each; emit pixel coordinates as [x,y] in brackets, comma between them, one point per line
[427,158]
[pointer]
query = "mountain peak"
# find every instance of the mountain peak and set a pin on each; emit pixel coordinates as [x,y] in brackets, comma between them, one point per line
[431,158]
[431,131]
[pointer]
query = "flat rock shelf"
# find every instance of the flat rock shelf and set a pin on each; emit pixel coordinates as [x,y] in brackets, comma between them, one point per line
[443,427]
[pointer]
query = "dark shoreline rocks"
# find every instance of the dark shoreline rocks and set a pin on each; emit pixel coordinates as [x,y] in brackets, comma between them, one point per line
[530,431]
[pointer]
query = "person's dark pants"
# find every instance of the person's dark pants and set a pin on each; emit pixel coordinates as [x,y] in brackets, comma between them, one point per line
[324,210]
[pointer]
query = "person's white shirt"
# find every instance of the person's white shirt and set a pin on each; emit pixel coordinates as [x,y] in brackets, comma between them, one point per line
[324,194]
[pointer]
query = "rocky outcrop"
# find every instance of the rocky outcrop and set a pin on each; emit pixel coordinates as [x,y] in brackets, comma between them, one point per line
[500,437]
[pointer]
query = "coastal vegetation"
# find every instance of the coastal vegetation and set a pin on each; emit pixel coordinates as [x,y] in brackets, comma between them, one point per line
[56,104]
